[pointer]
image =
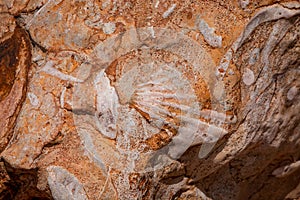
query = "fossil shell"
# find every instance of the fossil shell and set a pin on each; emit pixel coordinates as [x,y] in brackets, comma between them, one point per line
[107,101]
[161,97]
[152,96]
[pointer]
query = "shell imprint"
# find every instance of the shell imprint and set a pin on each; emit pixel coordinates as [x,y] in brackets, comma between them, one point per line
[155,95]
[107,101]
[165,99]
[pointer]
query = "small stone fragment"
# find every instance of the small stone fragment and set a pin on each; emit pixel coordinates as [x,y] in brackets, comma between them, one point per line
[293,91]
[109,28]
[244,3]
[209,34]
[248,76]
[64,185]
[169,11]
[33,99]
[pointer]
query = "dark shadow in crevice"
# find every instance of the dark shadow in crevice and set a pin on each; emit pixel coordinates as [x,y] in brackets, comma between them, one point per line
[20,184]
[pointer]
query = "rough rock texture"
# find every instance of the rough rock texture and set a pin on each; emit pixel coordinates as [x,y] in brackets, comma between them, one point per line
[149,99]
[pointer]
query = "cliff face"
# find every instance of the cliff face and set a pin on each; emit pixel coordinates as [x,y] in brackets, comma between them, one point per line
[149,99]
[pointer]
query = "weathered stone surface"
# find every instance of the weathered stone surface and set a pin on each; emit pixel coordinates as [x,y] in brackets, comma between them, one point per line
[15,58]
[149,99]
[64,185]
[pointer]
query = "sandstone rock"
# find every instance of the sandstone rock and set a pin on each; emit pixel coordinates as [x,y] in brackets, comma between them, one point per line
[149,99]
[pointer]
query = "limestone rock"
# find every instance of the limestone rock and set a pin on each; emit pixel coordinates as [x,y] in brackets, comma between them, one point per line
[149,99]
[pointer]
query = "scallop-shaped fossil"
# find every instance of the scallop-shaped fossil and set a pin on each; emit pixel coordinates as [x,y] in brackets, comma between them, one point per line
[151,97]
[162,98]
[159,93]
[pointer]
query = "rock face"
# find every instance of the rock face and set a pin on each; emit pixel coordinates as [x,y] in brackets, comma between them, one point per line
[149,99]
[15,54]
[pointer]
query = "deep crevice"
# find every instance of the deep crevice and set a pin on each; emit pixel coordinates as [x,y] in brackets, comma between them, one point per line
[19,183]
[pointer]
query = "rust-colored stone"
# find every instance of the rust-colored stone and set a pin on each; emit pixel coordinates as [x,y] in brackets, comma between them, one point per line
[147,100]
[15,60]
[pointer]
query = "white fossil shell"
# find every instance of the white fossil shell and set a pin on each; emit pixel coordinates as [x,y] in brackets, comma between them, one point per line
[160,94]
[165,98]
[148,103]
[107,104]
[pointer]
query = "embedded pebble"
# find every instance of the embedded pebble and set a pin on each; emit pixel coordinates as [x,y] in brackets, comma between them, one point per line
[109,28]
[33,99]
[248,76]
[292,93]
